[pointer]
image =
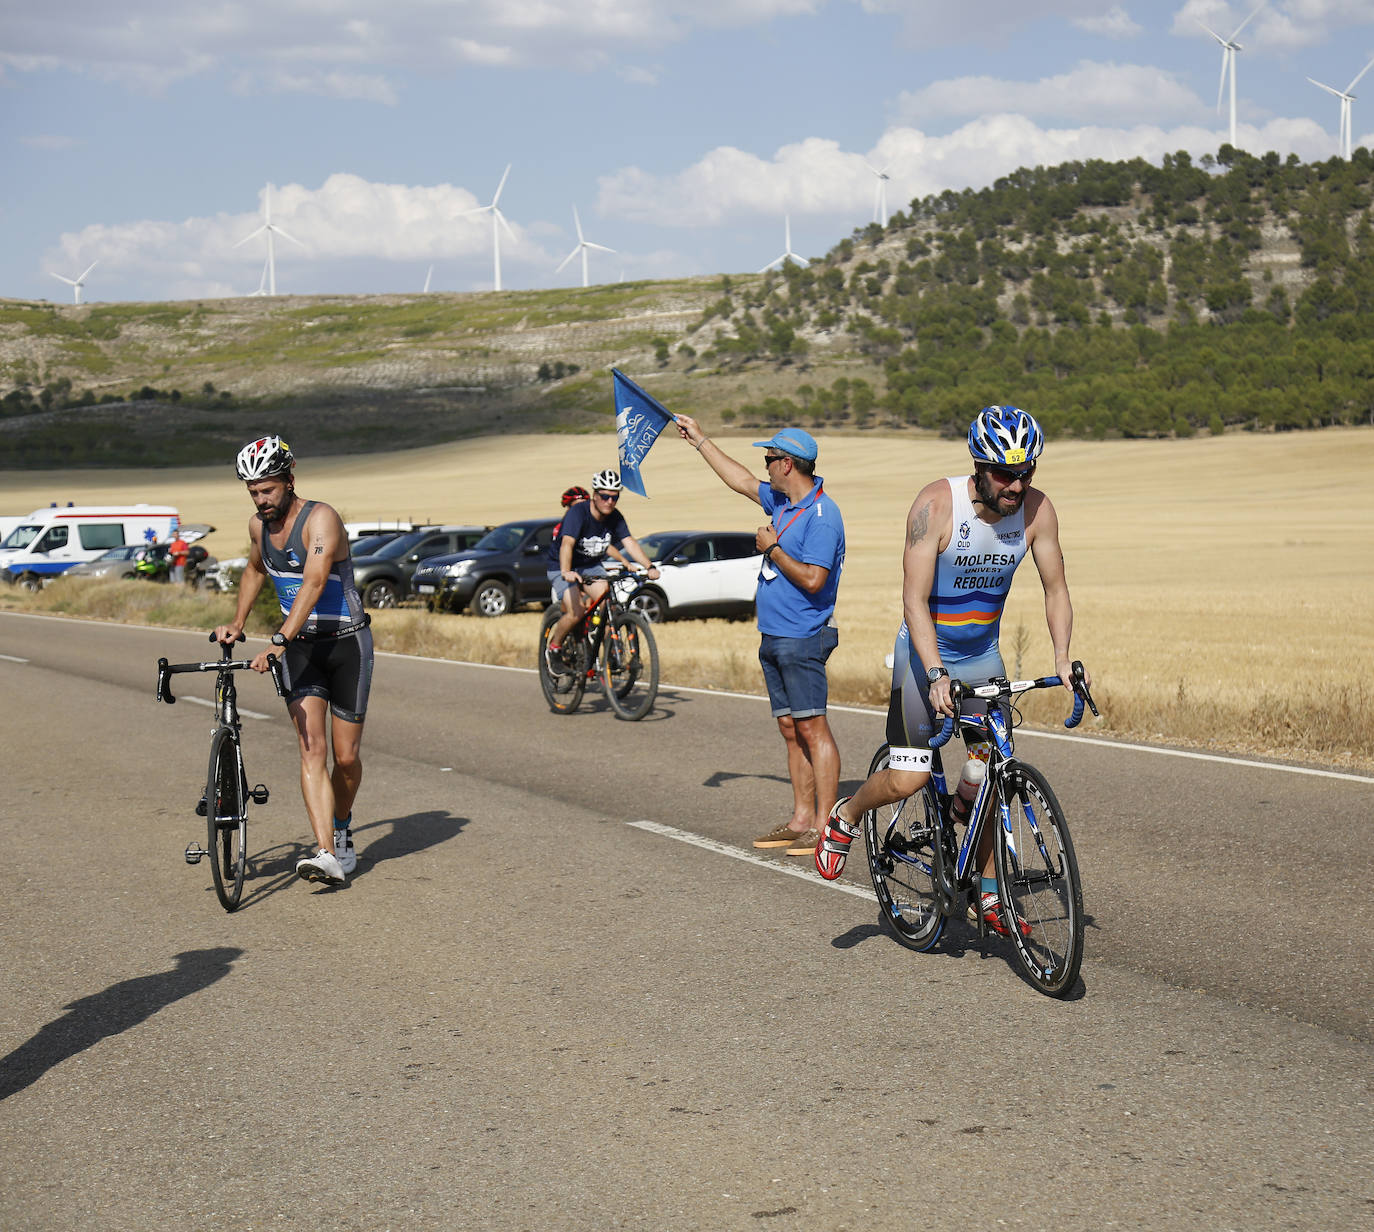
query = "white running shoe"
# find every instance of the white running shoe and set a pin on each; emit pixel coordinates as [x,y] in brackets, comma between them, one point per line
[343,848]
[322,866]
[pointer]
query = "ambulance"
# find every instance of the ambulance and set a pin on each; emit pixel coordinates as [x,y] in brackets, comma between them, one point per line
[50,541]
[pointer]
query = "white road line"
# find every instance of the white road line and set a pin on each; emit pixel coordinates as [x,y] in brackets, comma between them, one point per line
[12,658]
[724,849]
[202,701]
[869,710]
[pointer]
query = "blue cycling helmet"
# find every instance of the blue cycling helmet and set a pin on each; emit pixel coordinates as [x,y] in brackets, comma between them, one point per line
[1005,436]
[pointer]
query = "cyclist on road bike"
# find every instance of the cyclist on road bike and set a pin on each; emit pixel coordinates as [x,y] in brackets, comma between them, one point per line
[577,575]
[965,537]
[324,641]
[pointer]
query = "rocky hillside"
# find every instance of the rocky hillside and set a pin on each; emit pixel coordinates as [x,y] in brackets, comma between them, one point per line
[1111,298]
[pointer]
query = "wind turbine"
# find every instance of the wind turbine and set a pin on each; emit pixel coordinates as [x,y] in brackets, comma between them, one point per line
[880,197]
[1343,141]
[1229,47]
[78,282]
[269,228]
[262,283]
[582,245]
[498,220]
[787,248]
[428,276]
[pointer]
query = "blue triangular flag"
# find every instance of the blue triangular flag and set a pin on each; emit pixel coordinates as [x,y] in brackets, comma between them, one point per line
[639,418]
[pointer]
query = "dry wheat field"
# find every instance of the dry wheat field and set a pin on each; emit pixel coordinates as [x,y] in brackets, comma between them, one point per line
[1222,586]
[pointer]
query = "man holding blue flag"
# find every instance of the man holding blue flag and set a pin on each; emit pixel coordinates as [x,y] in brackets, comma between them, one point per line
[639,418]
[803,553]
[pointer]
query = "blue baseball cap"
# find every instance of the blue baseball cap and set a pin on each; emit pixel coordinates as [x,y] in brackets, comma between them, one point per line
[794,441]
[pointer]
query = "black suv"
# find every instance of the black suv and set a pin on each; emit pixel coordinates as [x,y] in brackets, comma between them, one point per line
[502,570]
[383,576]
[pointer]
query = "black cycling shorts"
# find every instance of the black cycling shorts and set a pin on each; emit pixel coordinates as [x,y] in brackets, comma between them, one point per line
[338,669]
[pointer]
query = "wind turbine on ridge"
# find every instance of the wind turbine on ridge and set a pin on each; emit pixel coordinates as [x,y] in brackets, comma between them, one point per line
[78,282]
[428,276]
[498,220]
[1346,97]
[1229,47]
[270,229]
[880,196]
[787,252]
[582,245]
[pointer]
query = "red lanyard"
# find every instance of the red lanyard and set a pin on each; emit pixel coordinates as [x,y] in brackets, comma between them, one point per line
[819,493]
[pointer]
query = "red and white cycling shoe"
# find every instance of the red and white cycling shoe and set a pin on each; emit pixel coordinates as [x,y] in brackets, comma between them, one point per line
[990,905]
[833,848]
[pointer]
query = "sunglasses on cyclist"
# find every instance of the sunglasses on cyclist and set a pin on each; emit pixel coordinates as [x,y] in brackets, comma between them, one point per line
[1005,476]
[609,496]
[770,458]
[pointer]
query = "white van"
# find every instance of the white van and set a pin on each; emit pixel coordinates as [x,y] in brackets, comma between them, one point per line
[52,540]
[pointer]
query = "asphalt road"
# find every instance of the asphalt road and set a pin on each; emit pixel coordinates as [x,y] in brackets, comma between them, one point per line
[525,1012]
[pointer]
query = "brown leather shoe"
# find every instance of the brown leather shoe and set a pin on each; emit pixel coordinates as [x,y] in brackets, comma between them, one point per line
[805,844]
[783,836]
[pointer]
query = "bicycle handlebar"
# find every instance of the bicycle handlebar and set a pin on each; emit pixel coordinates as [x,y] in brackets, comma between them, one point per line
[1002,688]
[227,663]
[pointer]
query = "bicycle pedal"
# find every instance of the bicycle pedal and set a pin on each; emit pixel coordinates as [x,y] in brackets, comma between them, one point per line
[193,853]
[201,807]
[259,794]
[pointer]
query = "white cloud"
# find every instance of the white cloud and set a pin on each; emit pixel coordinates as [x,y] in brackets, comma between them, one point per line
[1089,91]
[345,219]
[933,23]
[319,47]
[817,177]
[359,86]
[1115,23]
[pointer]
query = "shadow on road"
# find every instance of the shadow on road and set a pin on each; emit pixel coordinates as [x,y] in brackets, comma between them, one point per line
[406,836]
[116,1009]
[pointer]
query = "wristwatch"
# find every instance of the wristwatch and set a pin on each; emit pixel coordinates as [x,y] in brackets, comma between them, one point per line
[933,674]
[278,640]
[768,552]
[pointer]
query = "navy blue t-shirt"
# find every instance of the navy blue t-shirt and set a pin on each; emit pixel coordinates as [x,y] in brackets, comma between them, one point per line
[593,538]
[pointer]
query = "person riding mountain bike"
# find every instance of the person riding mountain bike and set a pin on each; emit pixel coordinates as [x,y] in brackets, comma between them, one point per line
[324,642]
[577,574]
[965,537]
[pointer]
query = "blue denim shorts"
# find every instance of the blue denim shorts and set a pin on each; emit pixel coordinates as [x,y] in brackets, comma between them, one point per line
[794,671]
[560,587]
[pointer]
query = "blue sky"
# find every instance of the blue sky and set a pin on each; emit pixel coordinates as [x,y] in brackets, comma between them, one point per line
[140,134]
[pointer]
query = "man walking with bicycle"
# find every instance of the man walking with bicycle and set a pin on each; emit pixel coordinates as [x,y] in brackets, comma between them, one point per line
[965,537]
[803,553]
[324,641]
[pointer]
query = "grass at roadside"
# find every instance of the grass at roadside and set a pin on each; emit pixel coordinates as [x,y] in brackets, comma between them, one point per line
[1334,726]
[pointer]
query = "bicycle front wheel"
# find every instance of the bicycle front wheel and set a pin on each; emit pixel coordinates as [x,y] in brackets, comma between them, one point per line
[900,840]
[629,666]
[1037,879]
[563,691]
[226,817]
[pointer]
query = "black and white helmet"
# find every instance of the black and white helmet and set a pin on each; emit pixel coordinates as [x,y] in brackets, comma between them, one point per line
[606,481]
[267,456]
[1005,436]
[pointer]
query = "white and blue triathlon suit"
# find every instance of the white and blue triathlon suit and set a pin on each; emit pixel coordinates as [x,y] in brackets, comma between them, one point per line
[331,657]
[972,579]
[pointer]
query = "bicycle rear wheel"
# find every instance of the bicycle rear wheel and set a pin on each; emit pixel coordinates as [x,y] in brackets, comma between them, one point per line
[629,665]
[900,839]
[563,691]
[1037,879]
[226,817]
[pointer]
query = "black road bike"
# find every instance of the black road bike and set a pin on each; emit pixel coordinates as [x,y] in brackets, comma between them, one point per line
[610,644]
[225,802]
[925,875]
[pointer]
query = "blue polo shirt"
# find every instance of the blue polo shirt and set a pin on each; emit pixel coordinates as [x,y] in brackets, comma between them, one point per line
[812,532]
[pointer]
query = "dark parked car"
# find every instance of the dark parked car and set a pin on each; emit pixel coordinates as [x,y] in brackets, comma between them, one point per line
[383,577]
[702,573]
[504,569]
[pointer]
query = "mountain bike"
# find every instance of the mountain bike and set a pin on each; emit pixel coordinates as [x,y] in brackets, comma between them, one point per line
[924,875]
[610,644]
[225,802]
